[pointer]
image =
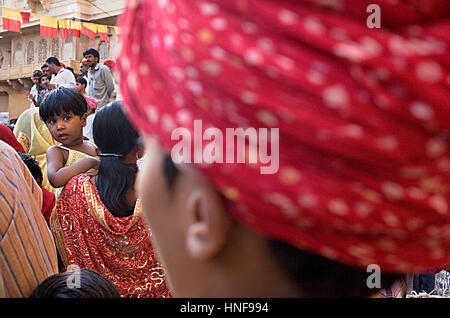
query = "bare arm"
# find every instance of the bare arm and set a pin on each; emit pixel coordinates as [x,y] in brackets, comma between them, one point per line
[58,175]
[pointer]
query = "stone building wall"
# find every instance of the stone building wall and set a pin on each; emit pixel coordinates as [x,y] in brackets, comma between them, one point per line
[21,53]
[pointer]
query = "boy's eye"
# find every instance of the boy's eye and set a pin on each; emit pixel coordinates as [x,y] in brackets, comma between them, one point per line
[67,118]
[50,121]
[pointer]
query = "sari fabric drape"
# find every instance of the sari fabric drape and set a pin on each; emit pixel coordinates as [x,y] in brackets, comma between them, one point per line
[35,138]
[89,236]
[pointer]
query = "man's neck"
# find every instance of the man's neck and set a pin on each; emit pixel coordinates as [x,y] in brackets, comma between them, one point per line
[94,66]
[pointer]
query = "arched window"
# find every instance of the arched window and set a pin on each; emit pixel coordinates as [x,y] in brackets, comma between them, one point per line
[42,54]
[103,51]
[18,54]
[30,52]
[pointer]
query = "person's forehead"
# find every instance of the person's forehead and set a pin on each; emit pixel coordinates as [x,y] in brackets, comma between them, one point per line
[62,113]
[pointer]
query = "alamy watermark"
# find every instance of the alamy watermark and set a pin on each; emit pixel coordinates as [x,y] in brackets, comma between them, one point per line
[221,148]
[374,279]
[73,280]
[373,21]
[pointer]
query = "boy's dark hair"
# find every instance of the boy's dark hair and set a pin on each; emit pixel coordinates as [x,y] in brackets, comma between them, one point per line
[91,285]
[44,65]
[64,100]
[94,52]
[80,79]
[53,60]
[32,165]
[114,134]
[37,73]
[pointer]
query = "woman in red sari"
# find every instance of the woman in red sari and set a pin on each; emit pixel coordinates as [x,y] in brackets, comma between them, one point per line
[97,222]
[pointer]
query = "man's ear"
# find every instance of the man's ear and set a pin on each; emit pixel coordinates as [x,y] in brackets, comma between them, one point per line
[208,224]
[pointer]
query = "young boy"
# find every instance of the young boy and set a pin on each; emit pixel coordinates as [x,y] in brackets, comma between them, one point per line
[64,113]
[48,198]
[81,85]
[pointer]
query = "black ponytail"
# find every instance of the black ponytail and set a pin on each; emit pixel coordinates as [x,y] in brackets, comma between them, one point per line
[115,137]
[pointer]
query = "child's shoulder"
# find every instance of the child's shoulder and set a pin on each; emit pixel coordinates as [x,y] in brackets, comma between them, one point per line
[91,148]
[56,149]
[55,152]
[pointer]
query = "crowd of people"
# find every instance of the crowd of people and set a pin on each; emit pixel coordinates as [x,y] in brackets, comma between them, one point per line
[364,164]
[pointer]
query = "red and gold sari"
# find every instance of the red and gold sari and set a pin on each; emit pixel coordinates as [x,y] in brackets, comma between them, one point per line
[89,236]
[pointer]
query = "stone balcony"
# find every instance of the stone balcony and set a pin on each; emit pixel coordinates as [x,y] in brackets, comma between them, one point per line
[19,78]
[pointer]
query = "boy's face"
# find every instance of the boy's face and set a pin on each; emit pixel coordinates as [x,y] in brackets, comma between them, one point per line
[67,128]
[80,87]
[44,82]
[35,79]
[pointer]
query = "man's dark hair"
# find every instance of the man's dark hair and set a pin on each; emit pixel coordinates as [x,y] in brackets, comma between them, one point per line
[53,60]
[94,52]
[32,165]
[37,73]
[64,100]
[92,285]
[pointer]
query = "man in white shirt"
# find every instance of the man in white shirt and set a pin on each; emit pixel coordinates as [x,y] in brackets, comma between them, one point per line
[63,77]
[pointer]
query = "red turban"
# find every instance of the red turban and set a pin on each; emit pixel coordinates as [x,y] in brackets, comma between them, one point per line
[110,63]
[363,115]
[92,102]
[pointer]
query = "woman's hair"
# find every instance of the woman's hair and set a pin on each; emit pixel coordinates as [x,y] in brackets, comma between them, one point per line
[81,283]
[63,100]
[113,134]
[313,274]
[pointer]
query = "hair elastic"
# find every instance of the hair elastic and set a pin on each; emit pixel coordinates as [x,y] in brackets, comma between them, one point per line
[110,155]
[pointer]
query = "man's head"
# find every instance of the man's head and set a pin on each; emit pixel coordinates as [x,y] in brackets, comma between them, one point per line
[44,69]
[53,65]
[347,167]
[84,67]
[92,57]
[35,77]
